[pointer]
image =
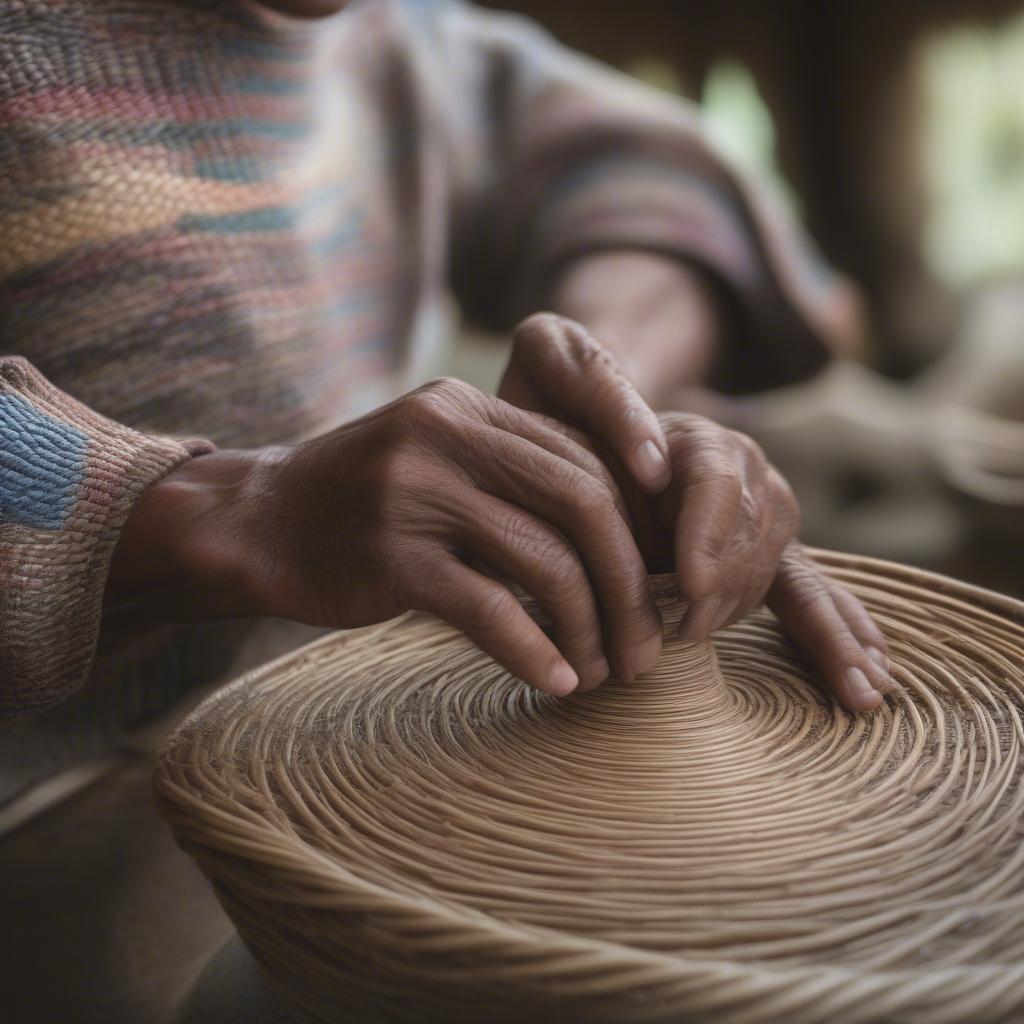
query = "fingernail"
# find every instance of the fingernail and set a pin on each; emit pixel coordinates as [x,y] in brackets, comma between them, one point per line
[877,657]
[562,680]
[645,656]
[650,462]
[861,690]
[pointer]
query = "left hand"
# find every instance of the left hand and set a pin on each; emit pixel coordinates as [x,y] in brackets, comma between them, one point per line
[704,497]
[729,523]
[724,522]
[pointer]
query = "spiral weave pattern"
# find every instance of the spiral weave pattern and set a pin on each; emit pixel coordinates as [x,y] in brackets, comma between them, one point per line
[401,831]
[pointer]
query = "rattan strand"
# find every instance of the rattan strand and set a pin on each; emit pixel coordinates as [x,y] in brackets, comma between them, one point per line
[400,831]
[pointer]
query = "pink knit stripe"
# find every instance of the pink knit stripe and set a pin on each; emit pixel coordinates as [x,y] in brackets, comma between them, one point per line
[79,103]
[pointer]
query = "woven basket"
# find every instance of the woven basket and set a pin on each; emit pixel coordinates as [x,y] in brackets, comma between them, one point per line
[401,831]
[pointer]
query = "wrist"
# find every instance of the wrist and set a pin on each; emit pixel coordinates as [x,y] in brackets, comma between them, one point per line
[186,552]
[658,315]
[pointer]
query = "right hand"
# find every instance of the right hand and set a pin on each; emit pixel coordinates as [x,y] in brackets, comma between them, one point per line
[421,505]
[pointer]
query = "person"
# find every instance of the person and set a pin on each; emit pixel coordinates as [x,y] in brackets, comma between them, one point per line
[229,230]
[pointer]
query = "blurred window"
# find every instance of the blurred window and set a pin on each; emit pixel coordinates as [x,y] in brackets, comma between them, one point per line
[660,73]
[735,113]
[972,151]
[740,122]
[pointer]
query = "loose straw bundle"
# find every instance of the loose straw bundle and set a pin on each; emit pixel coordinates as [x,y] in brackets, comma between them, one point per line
[402,832]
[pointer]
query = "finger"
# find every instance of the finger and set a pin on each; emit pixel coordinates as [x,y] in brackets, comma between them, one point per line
[735,517]
[708,506]
[699,619]
[863,627]
[804,602]
[745,571]
[541,561]
[584,511]
[495,621]
[560,439]
[579,379]
[755,567]
[633,505]
[732,611]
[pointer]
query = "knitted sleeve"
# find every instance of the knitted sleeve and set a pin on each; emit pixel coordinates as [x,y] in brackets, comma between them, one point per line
[68,478]
[554,155]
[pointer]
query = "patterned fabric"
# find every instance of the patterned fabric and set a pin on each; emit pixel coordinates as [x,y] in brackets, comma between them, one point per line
[221,223]
[41,466]
[67,481]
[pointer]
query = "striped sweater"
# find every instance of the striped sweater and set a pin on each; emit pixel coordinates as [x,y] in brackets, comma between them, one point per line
[222,227]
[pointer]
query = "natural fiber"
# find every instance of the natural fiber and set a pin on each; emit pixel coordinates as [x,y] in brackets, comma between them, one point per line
[401,831]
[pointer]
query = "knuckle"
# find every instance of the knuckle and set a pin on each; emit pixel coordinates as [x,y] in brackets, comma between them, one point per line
[416,585]
[585,349]
[425,407]
[699,576]
[518,534]
[706,455]
[678,425]
[489,611]
[592,498]
[805,586]
[436,404]
[693,424]
[578,437]
[723,483]
[442,394]
[538,338]
[601,475]
[780,487]
[592,486]
[780,508]
[541,326]
[560,574]
[589,461]
[692,432]
[393,470]
[749,506]
[788,514]
[642,609]
[747,445]
[631,412]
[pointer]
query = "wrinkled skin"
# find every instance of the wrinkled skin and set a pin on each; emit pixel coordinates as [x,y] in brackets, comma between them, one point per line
[728,521]
[440,499]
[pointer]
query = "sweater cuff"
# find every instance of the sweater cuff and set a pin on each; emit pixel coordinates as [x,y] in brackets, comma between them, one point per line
[784,298]
[68,480]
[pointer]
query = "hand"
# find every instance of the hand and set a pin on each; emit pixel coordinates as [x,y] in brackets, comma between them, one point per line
[414,506]
[729,522]
[727,515]
[559,369]
[828,622]
[724,522]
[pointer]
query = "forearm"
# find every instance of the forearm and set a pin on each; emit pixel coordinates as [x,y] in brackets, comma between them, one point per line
[659,316]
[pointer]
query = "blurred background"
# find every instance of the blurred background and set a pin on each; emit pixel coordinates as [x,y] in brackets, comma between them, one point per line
[895,131]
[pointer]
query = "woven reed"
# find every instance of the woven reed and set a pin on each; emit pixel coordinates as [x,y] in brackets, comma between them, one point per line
[400,831]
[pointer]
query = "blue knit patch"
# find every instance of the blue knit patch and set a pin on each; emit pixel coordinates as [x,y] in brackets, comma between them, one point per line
[41,465]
